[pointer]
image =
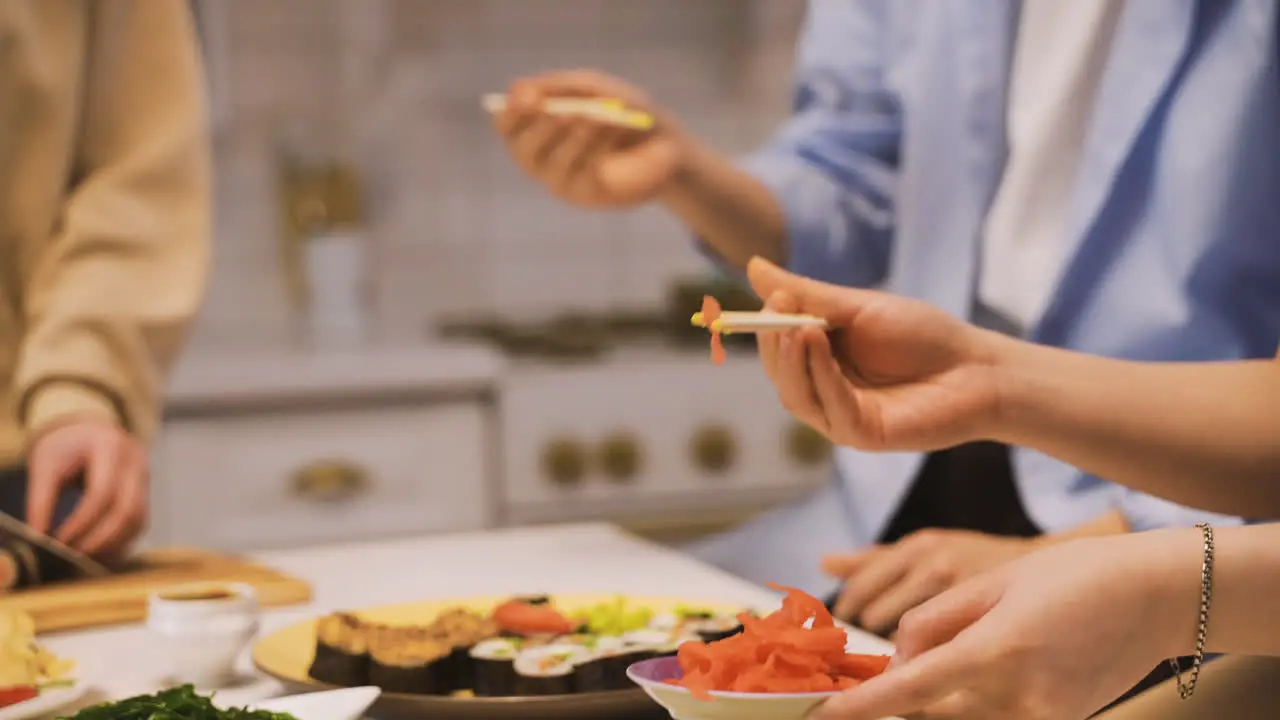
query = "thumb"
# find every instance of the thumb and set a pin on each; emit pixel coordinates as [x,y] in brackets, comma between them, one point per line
[942,618]
[836,303]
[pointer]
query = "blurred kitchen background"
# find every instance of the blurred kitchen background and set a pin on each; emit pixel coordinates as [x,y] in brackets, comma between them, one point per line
[404,335]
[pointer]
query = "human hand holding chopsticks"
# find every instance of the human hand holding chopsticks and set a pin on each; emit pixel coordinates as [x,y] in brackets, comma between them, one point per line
[894,373]
[585,158]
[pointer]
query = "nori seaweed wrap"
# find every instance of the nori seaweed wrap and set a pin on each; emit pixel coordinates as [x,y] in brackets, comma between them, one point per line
[342,651]
[410,660]
[713,627]
[547,669]
[604,667]
[493,667]
[461,629]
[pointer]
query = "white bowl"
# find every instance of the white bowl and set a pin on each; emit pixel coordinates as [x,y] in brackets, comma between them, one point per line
[652,675]
[203,628]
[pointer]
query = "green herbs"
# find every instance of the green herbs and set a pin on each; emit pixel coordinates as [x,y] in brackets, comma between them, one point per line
[614,618]
[684,612]
[180,703]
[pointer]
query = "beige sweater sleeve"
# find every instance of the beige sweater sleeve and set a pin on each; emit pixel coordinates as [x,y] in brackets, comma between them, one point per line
[110,300]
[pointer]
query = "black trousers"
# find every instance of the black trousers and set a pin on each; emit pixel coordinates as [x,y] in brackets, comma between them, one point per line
[971,487]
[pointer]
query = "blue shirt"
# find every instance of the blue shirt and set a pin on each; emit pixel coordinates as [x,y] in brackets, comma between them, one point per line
[890,162]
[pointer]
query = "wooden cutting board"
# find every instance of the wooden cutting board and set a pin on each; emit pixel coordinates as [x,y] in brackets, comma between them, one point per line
[122,598]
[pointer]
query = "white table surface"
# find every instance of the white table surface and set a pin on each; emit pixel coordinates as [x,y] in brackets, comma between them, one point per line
[585,558]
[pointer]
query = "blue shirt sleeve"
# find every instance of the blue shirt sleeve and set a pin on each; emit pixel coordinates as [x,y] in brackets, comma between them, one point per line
[1145,512]
[832,166]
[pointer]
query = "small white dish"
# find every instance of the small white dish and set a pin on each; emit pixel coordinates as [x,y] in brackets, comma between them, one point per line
[46,703]
[344,704]
[204,628]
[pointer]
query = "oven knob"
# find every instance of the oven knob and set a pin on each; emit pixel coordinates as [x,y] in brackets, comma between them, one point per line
[620,457]
[807,446]
[564,461]
[713,448]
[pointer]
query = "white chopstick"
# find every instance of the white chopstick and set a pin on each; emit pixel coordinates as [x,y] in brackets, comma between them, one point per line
[755,322]
[613,112]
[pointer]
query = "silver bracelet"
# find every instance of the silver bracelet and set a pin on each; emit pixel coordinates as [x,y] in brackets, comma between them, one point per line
[1202,625]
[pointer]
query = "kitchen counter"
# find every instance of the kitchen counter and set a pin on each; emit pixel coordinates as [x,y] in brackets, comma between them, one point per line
[587,558]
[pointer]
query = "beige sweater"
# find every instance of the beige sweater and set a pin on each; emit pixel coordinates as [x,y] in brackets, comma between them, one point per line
[104,208]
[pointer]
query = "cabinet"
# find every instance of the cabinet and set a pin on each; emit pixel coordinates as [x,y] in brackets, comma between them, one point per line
[264,452]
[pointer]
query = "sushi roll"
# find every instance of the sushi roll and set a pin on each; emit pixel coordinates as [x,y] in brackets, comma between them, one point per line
[667,621]
[548,669]
[493,667]
[342,651]
[710,627]
[461,630]
[604,668]
[410,660]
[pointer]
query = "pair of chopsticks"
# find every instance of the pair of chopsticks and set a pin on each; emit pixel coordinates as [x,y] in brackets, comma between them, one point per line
[757,322]
[605,110]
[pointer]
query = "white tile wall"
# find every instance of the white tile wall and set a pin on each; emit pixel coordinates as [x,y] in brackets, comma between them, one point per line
[456,226]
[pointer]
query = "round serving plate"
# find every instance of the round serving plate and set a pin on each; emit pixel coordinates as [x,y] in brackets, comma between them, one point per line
[287,654]
[48,702]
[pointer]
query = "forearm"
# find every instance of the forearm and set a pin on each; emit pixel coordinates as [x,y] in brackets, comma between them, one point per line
[1200,434]
[1111,522]
[1245,583]
[729,209]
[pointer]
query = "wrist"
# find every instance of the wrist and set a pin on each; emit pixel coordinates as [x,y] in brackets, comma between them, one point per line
[692,160]
[56,404]
[1175,558]
[1016,368]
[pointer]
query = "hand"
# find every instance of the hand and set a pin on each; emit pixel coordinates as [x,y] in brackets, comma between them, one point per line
[886,581]
[1055,635]
[586,161]
[113,511]
[897,374]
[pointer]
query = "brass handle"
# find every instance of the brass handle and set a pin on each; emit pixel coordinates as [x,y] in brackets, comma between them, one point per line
[807,446]
[330,481]
[564,461]
[713,448]
[620,457]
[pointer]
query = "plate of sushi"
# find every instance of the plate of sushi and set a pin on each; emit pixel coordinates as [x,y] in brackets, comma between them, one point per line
[533,656]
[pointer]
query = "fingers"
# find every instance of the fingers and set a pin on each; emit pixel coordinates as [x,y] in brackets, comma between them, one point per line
[847,564]
[101,465]
[568,164]
[887,568]
[882,614]
[943,618]
[538,136]
[559,150]
[836,395]
[796,391]
[924,683]
[580,83]
[127,516]
[45,479]
[768,342]
[835,303]
[42,496]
